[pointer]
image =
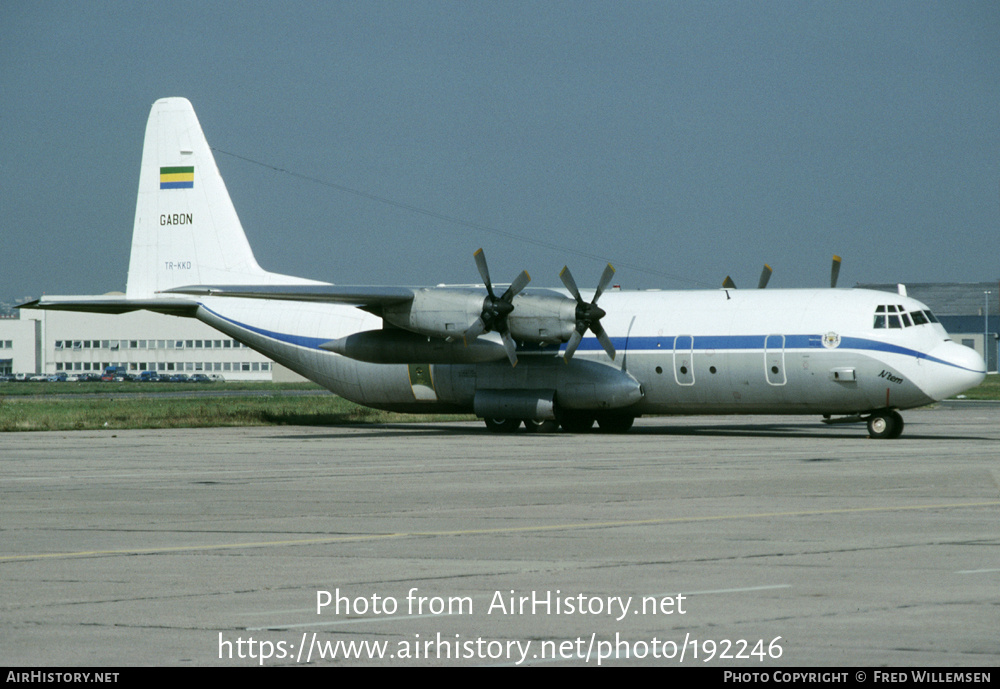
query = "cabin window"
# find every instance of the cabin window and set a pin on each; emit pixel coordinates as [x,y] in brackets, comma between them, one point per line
[906,320]
[894,321]
[919,318]
[879,320]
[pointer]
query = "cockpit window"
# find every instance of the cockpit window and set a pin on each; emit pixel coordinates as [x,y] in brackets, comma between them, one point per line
[895,316]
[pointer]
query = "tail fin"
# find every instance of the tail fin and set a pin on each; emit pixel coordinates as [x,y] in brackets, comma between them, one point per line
[186,229]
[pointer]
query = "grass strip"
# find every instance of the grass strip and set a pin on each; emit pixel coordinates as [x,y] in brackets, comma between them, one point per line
[121,414]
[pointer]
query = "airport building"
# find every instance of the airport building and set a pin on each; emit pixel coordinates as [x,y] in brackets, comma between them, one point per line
[51,342]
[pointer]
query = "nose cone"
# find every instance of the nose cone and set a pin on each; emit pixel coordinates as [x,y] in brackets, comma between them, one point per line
[954,369]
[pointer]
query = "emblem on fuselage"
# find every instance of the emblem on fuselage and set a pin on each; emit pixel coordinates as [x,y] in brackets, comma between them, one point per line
[831,340]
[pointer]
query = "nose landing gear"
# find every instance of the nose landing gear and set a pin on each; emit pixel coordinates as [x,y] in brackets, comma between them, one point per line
[885,425]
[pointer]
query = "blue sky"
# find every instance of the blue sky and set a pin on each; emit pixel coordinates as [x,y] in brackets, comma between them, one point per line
[682,141]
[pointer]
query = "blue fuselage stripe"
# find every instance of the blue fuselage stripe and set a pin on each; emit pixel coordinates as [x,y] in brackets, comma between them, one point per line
[664,344]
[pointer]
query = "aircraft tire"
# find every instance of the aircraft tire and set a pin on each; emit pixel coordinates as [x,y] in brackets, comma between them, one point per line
[541,426]
[615,423]
[502,425]
[885,425]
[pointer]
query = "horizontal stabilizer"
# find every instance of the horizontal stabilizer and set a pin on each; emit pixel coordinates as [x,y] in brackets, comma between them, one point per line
[114,305]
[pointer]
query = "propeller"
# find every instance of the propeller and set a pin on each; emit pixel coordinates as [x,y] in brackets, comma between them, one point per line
[588,315]
[834,271]
[496,309]
[765,275]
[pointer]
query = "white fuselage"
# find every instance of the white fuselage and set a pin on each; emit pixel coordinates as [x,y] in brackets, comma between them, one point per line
[711,351]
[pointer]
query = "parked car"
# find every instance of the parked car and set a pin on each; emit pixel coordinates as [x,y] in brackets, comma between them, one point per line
[149,377]
[200,378]
[179,378]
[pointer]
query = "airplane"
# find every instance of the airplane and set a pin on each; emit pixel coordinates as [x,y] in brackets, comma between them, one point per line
[545,358]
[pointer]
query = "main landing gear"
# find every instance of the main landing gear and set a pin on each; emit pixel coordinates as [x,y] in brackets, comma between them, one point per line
[571,422]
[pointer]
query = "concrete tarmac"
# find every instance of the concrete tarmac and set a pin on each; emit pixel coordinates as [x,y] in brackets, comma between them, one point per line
[750,542]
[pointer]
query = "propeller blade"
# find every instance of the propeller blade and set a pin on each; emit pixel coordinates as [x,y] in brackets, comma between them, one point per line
[567,279]
[477,329]
[520,282]
[484,270]
[834,271]
[728,283]
[609,272]
[574,342]
[765,275]
[602,337]
[510,348]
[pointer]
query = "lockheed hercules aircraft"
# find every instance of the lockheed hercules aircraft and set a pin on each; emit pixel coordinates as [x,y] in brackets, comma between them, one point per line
[513,355]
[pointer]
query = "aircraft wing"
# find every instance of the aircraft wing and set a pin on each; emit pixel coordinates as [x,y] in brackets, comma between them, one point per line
[364,297]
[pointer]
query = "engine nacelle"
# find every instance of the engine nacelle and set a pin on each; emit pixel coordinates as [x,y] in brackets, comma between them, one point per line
[542,318]
[437,311]
[446,312]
